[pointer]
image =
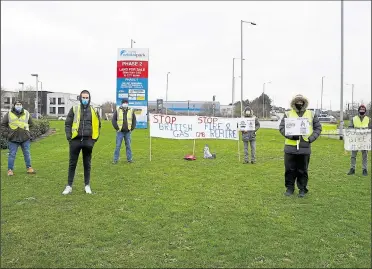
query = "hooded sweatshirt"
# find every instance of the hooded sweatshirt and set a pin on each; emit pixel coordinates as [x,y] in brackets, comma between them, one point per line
[85,126]
[304,147]
[19,135]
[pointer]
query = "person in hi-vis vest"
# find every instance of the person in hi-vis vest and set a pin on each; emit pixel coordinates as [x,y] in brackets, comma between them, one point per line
[124,122]
[15,127]
[82,127]
[360,121]
[297,149]
[249,137]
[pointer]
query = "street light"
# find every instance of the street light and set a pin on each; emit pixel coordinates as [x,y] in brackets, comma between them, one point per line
[241,63]
[342,72]
[263,99]
[131,43]
[321,97]
[233,97]
[233,84]
[41,103]
[23,88]
[352,95]
[37,95]
[166,96]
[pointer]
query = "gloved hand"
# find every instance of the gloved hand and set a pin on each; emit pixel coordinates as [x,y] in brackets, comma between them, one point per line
[293,137]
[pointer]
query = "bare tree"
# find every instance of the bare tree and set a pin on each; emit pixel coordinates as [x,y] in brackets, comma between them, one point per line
[108,107]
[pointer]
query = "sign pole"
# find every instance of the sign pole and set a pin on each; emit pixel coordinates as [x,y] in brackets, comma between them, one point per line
[239,149]
[150,148]
[193,148]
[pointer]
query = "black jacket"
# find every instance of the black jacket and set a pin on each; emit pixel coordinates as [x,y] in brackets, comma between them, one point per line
[123,128]
[85,127]
[19,135]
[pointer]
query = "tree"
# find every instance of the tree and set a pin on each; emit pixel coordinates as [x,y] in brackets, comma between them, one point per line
[108,107]
[369,108]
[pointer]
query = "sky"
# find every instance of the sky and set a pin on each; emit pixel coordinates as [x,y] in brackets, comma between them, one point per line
[73,46]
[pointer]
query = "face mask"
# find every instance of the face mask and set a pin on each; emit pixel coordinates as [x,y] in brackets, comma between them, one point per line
[362,113]
[84,101]
[18,108]
[124,105]
[248,114]
[299,106]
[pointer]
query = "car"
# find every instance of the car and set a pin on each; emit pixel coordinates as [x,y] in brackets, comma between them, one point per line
[327,119]
[62,118]
[274,118]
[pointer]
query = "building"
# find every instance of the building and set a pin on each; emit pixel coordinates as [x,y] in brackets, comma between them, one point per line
[182,107]
[59,104]
[7,99]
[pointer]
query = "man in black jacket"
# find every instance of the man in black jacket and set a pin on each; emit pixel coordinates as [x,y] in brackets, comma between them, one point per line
[297,149]
[82,127]
[15,127]
[124,122]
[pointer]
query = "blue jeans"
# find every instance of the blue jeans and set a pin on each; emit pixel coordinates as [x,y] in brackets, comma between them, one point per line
[13,148]
[119,139]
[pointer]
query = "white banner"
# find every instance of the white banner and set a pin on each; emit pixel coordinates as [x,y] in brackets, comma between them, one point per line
[217,128]
[193,127]
[246,124]
[173,127]
[357,139]
[297,126]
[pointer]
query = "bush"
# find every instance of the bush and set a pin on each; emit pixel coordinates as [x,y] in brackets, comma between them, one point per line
[40,127]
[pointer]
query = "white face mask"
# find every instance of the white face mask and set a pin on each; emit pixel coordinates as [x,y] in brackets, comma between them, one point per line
[18,108]
[125,105]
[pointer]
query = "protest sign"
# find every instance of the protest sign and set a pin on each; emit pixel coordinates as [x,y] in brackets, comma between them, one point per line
[246,124]
[217,128]
[357,139]
[297,126]
[173,127]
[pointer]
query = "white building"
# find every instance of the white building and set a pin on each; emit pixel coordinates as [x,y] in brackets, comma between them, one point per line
[226,110]
[59,104]
[7,100]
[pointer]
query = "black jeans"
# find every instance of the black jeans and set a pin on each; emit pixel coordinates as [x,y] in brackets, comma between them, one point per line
[86,146]
[296,166]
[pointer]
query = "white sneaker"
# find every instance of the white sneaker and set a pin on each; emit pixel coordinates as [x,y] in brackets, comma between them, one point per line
[88,190]
[67,190]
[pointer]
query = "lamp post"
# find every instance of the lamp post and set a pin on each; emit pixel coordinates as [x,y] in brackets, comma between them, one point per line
[263,99]
[233,87]
[166,96]
[23,89]
[241,63]
[37,95]
[321,97]
[342,73]
[41,95]
[352,96]
[131,43]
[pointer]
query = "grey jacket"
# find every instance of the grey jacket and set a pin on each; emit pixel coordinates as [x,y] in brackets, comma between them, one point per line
[251,135]
[304,147]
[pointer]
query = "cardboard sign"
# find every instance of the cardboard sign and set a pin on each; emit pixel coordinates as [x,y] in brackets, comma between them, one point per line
[357,139]
[297,126]
[246,124]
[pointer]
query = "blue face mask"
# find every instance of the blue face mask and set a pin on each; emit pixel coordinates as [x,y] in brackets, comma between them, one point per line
[18,108]
[84,101]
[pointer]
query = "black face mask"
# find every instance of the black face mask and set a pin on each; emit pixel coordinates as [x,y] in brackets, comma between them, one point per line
[362,113]
[299,106]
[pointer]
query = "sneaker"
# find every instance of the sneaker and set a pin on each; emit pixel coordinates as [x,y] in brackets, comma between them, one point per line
[365,173]
[253,162]
[88,190]
[67,190]
[30,170]
[301,194]
[114,162]
[130,161]
[289,192]
[351,172]
[10,173]
[246,161]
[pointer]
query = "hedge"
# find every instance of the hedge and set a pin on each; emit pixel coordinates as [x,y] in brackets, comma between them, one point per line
[40,127]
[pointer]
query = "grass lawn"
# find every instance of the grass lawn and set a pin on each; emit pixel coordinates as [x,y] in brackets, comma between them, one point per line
[175,213]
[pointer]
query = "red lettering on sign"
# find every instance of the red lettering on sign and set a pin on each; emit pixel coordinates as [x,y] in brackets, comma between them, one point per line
[164,119]
[207,120]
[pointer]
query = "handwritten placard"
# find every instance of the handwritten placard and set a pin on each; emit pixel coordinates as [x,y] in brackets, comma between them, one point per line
[173,127]
[297,126]
[217,128]
[357,139]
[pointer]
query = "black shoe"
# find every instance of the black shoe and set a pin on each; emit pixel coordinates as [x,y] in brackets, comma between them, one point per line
[130,161]
[253,162]
[289,192]
[114,162]
[246,161]
[351,172]
[301,194]
[365,173]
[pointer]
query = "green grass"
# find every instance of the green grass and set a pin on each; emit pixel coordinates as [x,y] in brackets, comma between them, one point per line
[175,213]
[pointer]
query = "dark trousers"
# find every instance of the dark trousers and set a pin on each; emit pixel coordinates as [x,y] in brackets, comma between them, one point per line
[296,167]
[77,145]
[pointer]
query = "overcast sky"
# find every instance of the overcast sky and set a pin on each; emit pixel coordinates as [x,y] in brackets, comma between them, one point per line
[73,46]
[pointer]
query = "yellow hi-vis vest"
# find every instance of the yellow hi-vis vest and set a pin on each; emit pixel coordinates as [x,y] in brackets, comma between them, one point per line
[76,123]
[310,116]
[21,122]
[361,124]
[121,118]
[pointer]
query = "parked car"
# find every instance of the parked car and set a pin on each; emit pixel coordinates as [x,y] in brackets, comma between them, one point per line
[62,118]
[327,119]
[274,118]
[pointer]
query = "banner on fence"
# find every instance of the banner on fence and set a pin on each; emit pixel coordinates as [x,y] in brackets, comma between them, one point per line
[217,128]
[246,124]
[193,127]
[297,126]
[357,139]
